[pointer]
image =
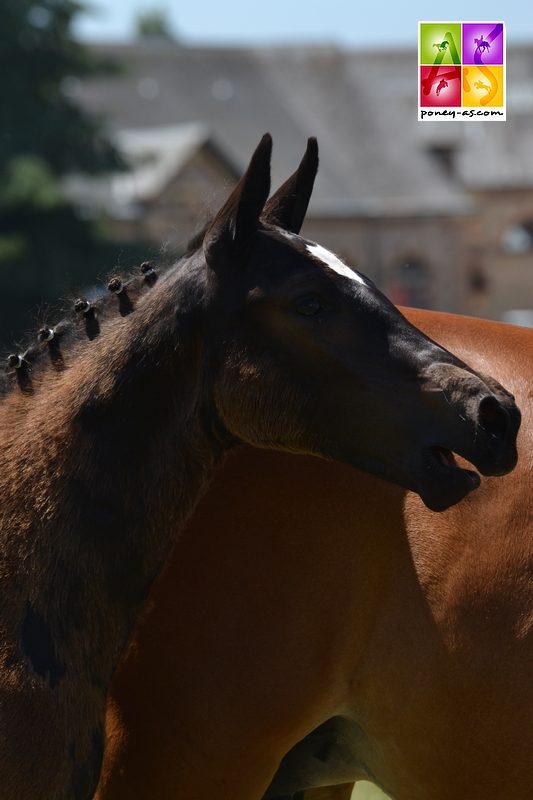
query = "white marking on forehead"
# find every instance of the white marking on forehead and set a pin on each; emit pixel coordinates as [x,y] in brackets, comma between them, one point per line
[333,262]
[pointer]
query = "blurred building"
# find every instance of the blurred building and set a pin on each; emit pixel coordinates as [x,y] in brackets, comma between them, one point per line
[438,214]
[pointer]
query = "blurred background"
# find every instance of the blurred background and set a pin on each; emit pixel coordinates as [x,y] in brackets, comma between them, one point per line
[124,123]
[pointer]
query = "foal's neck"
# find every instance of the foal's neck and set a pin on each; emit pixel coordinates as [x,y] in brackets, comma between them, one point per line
[110,460]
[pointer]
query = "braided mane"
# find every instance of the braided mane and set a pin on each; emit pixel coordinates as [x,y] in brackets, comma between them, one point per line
[84,319]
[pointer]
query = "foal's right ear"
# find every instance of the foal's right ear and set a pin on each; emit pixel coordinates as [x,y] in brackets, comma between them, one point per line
[234,227]
[288,206]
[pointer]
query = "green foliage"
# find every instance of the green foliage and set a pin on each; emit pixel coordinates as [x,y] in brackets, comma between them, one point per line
[28,181]
[37,58]
[46,248]
[153,23]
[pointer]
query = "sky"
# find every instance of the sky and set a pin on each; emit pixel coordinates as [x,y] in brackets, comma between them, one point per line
[345,22]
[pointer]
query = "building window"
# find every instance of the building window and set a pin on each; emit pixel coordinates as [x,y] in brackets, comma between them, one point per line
[518,238]
[444,155]
[410,284]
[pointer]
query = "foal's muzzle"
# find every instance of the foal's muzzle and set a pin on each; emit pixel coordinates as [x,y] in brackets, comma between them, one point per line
[478,420]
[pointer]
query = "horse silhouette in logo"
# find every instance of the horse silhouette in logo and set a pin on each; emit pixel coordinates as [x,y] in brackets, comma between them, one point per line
[441,46]
[481,44]
[442,85]
[481,85]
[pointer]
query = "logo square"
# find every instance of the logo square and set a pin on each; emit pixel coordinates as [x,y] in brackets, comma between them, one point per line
[483,43]
[483,86]
[440,43]
[440,86]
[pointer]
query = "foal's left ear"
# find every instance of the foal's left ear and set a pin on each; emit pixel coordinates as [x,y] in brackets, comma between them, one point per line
[288,206]
[235,225]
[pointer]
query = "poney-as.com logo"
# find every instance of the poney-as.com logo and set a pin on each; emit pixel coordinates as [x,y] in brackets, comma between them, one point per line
[461,71]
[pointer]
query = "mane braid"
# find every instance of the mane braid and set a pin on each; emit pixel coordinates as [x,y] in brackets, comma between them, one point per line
[73,334]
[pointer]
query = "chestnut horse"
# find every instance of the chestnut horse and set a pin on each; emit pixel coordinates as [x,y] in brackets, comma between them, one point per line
[113,426]
[318,611]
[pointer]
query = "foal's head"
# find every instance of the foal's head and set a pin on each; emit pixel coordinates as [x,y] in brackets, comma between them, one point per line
[308,356]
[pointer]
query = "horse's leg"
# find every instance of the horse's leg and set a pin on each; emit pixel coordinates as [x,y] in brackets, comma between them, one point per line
[326,757]
[297,796]
[341,792]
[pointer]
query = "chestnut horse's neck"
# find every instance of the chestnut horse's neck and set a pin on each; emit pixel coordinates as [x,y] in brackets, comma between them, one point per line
[99,468]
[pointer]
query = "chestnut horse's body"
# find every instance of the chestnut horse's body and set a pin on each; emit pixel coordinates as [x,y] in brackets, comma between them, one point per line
[307,594]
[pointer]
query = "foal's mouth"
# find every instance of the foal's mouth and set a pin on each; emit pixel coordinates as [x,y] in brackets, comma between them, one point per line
[445,482]
[446,459]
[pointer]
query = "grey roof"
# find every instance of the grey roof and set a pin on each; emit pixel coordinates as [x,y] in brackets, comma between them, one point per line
[361,106]
[154,156]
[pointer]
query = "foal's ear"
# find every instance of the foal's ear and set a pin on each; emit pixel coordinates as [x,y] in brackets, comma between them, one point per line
[288,206]
[235,225]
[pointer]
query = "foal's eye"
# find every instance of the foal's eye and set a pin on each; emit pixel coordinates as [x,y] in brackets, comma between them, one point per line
[308,306]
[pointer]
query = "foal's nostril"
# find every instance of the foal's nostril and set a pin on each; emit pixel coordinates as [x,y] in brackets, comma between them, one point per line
[493,418]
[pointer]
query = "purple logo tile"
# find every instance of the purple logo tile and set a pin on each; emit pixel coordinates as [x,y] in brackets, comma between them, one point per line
[483,43]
